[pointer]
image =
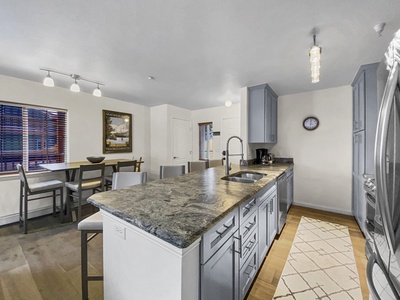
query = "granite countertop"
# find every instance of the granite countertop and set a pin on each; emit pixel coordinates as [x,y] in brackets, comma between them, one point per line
[181,209]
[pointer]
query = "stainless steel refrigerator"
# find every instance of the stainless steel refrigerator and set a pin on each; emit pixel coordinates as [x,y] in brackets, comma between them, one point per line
[383,269]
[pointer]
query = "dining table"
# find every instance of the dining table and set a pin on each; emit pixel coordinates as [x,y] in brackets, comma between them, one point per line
[70,168]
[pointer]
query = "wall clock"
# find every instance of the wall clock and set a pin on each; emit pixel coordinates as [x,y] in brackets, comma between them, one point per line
[310,123]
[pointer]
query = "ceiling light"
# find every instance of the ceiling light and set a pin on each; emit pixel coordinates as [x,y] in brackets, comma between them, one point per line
[75,86]
[48,81]
[97,92]
[315,58]
[228,102]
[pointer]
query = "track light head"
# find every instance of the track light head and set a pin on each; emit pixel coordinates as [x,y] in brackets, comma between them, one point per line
[48,81]
[97,91]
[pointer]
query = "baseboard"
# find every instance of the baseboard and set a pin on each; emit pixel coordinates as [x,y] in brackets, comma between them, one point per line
[5,220]
[320,207]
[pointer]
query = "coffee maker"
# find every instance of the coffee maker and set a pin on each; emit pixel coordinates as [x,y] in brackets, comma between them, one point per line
[261,156]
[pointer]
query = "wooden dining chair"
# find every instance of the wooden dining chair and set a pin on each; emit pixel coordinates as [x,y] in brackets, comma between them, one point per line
[94,225]
[171,171]
[32,189]
[122,166]
[196,166]
[91,177]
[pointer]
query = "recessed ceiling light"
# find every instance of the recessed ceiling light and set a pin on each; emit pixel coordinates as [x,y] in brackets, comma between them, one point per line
[150,78]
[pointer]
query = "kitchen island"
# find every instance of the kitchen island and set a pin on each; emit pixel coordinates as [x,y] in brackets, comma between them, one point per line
[152,232]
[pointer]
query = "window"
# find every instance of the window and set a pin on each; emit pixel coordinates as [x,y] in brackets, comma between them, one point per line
[206,146]
[31,136]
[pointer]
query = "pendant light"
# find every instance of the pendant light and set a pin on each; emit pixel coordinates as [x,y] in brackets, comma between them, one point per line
[48,81]
[315,58]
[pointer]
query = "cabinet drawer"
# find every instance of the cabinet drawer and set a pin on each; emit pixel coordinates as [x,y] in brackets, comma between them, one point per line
[214,238]
[269,190]
[248,246]
[248,273]
[248,225]
[247,208]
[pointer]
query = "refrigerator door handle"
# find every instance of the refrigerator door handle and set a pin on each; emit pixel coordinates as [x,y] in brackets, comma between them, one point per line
[380,155]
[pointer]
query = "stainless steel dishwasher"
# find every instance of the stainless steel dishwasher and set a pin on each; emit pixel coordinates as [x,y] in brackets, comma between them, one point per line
[282,201]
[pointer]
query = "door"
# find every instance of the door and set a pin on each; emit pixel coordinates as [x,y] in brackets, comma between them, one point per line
[182,142]
[230,127]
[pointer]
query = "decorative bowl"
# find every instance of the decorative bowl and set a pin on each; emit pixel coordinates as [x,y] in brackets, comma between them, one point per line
[95,159]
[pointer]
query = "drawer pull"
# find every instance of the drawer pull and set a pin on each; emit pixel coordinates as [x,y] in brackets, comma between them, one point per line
[248,206]
[240,245]
[221,234]
[252,271]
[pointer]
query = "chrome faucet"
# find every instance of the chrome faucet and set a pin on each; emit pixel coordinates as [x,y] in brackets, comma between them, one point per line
[226,154]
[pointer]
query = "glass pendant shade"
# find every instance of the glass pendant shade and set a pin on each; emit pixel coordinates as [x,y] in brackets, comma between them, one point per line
[75,87]
[48,81]
[228,102]
[315,58]
[97,92]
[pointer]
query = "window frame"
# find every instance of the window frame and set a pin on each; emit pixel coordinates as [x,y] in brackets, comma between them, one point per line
[210,152]
[46,136]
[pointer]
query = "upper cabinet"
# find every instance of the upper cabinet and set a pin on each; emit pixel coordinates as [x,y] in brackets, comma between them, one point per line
[359,102]
[263,110]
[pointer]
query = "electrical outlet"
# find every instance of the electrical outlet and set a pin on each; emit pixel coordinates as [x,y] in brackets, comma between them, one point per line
[119,231]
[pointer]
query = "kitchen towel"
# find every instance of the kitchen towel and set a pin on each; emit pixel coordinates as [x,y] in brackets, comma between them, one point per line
[320,264]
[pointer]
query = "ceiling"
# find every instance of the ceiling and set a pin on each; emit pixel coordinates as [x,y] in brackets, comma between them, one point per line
[199,52]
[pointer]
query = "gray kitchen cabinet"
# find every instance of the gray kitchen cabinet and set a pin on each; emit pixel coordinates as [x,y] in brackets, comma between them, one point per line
[262,114]
[248,273]
[266,222]
[273,218]
[219,271]
[219,276]
[365,113]
[359,103]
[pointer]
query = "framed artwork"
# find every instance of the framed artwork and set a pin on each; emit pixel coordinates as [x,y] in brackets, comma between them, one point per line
[117,132]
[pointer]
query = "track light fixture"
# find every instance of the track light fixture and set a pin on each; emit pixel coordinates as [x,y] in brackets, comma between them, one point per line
[48,81]
[315,58]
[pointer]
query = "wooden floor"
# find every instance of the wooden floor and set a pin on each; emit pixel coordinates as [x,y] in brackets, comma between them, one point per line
[268,276]
[45,263]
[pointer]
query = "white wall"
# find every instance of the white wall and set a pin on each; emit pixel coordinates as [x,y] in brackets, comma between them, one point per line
[84,131]
[214,115]
[161,134]
[323,157]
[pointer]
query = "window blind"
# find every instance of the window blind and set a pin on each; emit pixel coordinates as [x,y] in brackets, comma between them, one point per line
[31,136]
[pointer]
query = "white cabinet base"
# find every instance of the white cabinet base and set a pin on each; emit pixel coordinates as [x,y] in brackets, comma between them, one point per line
[138,265]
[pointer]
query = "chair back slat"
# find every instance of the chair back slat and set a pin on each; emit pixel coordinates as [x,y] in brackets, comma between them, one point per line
[91,173]
[125,179]
[127,166]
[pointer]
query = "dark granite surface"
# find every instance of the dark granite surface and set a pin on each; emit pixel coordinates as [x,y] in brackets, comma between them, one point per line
[180,210]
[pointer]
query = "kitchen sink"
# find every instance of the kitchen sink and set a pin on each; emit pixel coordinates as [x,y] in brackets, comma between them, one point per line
[244,177]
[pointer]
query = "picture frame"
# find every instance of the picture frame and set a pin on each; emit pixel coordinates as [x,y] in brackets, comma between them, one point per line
[117,132]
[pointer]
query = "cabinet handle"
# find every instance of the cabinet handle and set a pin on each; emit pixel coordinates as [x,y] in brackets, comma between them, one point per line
[240,245]
[251,272]
[250,205]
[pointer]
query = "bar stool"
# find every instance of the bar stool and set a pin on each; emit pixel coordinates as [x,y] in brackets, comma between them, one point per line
[32,189]
[94,225]
[171,171]
[196,166]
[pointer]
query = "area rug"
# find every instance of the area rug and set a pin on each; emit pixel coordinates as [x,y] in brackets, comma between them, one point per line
[320,264]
